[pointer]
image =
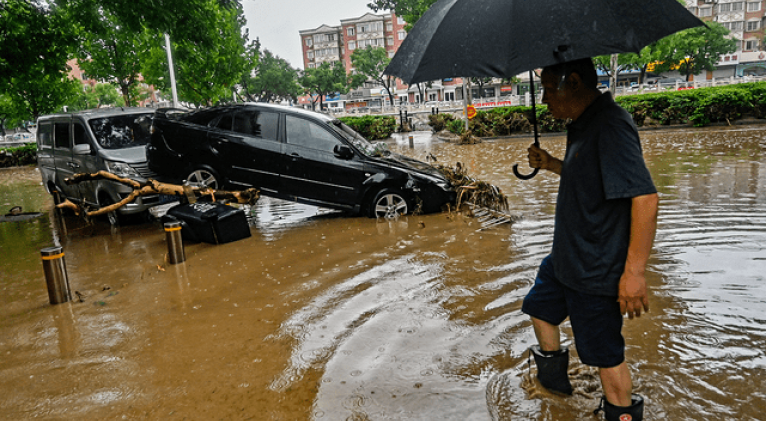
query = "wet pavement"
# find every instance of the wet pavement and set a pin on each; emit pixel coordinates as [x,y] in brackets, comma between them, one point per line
[328,317]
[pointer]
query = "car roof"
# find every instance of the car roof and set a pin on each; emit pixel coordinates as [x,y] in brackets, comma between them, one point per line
[101,112]
[274,107]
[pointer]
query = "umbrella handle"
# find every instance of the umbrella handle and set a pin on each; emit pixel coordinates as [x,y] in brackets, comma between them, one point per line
[522,176]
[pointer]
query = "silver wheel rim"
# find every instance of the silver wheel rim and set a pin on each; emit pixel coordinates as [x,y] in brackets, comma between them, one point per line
[390,206]
[202,178]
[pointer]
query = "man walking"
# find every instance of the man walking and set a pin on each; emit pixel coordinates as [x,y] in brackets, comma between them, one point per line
[606,218]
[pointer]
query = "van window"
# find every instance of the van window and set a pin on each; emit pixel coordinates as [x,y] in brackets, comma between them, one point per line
[61,135]
[80,136]
[44,133]
[122,131]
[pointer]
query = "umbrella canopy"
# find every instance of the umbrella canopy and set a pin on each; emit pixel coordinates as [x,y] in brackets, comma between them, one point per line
[502,38]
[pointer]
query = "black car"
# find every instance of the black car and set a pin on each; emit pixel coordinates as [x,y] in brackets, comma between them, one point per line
[292,154]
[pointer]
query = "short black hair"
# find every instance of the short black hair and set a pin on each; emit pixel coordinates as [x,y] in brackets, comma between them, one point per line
[583,67]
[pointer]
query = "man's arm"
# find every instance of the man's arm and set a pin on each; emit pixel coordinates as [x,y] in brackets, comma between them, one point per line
[539,158]
[643,226]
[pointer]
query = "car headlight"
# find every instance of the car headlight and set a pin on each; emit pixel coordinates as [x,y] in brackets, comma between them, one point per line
[121,169]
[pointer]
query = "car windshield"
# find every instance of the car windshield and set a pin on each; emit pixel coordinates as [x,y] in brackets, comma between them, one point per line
[122,131]
[362,144]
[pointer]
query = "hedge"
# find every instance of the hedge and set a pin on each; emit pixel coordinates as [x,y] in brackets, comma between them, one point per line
[372,127]
[19,156]
[699,107]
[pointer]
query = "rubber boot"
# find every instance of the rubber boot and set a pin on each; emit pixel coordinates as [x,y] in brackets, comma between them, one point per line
[634,412]
[552,370]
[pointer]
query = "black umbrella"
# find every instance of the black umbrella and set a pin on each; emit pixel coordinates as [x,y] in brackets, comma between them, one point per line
[502,38]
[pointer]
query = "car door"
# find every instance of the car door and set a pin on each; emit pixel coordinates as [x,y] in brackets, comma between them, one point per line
[62,158]
[85,163]
[313,170]
[248,140]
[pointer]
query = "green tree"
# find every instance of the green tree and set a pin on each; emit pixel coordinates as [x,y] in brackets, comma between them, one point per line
[109,52]
[480,82]
[205,75]
[35,42]
[409,10]
[369,64]
[273,80]
[693,50]
[99,95]
[328,78]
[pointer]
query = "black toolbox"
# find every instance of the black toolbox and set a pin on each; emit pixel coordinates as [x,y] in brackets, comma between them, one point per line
[210,222]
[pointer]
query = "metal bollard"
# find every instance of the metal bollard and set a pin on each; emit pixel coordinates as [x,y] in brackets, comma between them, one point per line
[412,142]
[175,242]
[56,277]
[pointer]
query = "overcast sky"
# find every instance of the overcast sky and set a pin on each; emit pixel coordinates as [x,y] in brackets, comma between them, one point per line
[277,22]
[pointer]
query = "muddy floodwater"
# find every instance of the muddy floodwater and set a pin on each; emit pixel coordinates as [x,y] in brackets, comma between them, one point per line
[322,316]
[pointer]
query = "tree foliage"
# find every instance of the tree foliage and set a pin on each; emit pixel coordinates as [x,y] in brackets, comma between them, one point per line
[693,50]
[327,78]
[409,10]
[273,79]
[35,43]
[205,74]
[369,64]
[99,95]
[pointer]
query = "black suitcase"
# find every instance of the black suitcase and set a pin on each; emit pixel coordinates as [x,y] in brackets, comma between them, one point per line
[213,223]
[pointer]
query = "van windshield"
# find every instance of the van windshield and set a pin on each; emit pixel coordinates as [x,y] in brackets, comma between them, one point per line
[122,131]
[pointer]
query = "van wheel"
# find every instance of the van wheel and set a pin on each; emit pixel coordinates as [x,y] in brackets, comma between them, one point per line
[204,177]
[112,217]
[389,204]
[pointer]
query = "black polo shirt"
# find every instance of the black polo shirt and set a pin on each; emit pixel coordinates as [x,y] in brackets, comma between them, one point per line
[602,171]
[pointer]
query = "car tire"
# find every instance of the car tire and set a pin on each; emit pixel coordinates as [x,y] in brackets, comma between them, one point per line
[204,176]
[389,204]
[114,218]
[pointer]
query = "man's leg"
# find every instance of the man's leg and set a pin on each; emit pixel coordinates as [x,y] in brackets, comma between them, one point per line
[617,384]
[548,335]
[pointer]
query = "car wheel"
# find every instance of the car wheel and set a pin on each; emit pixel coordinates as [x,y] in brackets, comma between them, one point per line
[112,217]
[389,204]
[204,177]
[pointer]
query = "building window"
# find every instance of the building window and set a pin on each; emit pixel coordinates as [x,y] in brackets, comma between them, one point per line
[706,11]
[309,42]
[734,26]
[754,7]
[390,40]
[751,45]
[310,54]
[351,45]
[311,65]
[402,35]
[350,32]
[389,26]
[738,6]
[400,20]
[391,54]
[753,25]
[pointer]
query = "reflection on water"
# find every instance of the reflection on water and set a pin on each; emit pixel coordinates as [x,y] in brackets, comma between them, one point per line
[323,316]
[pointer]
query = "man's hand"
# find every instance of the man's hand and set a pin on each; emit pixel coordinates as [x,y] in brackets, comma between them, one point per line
[632,294]
[539,158]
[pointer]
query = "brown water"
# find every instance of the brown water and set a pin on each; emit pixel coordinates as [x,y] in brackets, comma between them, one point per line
[326,317]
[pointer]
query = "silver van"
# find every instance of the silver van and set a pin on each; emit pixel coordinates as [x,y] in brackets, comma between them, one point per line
[109,139]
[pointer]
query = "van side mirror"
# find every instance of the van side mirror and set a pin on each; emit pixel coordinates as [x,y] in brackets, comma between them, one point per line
[343,151]
[82,149]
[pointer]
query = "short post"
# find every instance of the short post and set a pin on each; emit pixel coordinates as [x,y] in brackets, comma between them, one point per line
[412,142]
[56,278]
[175,242]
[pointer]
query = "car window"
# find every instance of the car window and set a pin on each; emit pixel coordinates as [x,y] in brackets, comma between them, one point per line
[258,124]
[121,131]
[224,123]
[44,134]
[80,136]
[61,135]
[308,134]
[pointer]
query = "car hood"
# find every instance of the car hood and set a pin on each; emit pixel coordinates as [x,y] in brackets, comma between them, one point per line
[128,155]
[407,163]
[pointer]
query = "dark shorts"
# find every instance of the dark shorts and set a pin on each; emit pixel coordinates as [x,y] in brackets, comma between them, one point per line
[596,320]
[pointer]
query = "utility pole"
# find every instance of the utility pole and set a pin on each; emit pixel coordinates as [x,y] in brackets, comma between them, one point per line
[613,77]
[172,72]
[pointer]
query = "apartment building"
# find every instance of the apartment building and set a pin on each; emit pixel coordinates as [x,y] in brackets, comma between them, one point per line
[745,19]
[338,43]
